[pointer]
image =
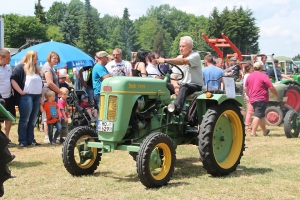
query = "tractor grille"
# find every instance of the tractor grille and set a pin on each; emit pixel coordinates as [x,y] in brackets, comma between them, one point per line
[102,104]
[112,108]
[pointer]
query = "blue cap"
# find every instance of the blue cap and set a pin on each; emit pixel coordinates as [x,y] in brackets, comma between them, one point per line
[84,96]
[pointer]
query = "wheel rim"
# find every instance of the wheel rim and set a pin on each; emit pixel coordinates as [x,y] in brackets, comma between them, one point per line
[273,117]
[84,162]
[160,161]
[227,139]
[293,97]
[294,126]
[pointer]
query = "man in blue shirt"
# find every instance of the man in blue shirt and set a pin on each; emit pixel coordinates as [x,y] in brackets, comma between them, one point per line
[99,74]
[210,73]
[271,73]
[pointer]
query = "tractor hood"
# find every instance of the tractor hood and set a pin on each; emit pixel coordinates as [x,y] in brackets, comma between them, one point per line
[135,85]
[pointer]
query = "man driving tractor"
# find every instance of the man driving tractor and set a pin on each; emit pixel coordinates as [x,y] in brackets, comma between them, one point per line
[190,63]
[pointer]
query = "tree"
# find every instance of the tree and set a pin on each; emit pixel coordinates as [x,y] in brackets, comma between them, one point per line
[296,58]
[88,36]
[54,34]
[17,28]
[72,19]
[127,34]
[56,13]
[39,12]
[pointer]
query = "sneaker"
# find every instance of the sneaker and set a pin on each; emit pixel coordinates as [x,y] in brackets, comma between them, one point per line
[61,140]
[55,141]
[46,140]
[10,144]
[22,145]
[35,144]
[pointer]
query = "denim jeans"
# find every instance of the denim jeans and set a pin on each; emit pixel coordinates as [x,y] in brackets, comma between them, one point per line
[185,90]
[97,101]
[90,91]
[50,131]
[28,108]
[77,84]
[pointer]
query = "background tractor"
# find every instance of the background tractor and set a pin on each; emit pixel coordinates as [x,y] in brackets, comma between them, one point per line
[137,115]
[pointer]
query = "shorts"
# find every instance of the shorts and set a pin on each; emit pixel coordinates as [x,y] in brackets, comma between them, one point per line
[259,109]
[10,105]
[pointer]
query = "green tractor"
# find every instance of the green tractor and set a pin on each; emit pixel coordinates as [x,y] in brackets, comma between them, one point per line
[137,115]
[293,90]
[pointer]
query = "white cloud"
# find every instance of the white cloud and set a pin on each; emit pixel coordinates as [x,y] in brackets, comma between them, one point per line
[278,19]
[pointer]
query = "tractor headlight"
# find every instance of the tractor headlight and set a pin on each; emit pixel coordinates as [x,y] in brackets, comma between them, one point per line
[171,107]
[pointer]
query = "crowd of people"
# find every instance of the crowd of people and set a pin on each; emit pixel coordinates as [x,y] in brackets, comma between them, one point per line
[35,89]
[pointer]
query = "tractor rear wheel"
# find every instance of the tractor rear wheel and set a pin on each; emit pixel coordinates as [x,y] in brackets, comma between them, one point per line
[155,160]
[291,126]
[222,139]
[274,116]
[293,94]
[77,159]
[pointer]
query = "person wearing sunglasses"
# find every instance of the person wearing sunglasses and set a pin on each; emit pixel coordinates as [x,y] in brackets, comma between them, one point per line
[118,67]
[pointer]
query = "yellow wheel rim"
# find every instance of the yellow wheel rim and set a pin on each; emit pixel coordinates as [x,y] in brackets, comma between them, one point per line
[227,139]
[160,161]
[84,163]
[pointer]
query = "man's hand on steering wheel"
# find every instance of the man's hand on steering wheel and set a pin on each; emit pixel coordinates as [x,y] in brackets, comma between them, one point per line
[160,60]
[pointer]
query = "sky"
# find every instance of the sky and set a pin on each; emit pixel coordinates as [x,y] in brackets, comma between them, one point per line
[277,19]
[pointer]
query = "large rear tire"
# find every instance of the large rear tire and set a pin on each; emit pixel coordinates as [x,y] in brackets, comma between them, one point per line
[222,139]
[293,94]
[291,126]
[76,163]
[155,160]
[274,116]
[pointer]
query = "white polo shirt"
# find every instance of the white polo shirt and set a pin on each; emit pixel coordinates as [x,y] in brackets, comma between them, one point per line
[5,86]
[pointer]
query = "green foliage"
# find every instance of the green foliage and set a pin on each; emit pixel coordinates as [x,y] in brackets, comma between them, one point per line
[88,35]
[158,30]
[17,28]
[56,13]
[296,58]
[70,25]
[238,25]
[39,12]
[54,34]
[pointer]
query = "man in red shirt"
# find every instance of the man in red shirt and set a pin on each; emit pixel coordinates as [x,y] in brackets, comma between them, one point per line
[256,87]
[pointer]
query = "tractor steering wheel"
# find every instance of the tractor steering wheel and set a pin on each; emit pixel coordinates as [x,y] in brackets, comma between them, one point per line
[181,74]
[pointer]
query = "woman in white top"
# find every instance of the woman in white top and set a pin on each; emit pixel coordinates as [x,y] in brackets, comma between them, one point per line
[27,84]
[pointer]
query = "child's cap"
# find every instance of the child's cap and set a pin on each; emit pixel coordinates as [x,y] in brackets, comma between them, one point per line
[84,96]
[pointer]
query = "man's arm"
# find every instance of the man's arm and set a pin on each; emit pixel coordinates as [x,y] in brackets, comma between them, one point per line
[274,91]
[106,76]
[176,61]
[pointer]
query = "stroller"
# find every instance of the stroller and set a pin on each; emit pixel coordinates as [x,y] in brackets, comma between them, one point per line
[79,116]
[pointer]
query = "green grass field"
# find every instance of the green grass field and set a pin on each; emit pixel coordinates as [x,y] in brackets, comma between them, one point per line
[269,169]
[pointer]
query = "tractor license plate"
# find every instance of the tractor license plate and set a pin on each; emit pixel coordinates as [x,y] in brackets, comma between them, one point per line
[105,126]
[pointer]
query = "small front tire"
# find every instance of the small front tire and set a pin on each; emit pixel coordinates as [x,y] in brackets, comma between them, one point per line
[73,159]
[156,160]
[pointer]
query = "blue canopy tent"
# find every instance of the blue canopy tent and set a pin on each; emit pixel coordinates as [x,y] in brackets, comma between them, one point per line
[70,56]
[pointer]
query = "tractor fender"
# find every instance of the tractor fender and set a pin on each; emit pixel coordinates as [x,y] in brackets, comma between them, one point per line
[203,103]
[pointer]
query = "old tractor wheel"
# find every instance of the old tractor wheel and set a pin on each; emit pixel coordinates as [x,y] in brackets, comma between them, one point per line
[156,160]
[291,126]
[274,116]
[222,139]
[293,94]
[78,159]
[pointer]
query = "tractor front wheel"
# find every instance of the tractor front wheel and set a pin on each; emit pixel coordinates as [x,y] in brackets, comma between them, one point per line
[77,158]
[155,160]
[222,139]
[291,124]
[274,116]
